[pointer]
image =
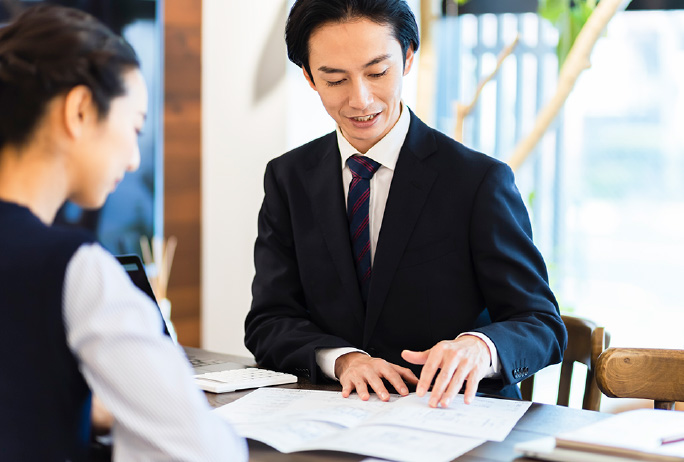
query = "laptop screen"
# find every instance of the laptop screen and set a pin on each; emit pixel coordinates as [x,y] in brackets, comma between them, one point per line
[136,271]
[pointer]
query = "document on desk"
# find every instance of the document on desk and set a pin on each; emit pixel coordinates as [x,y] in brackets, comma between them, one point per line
[637,435]
[403,429]
[643,434]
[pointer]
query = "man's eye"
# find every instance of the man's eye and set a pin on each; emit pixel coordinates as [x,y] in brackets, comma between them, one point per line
[380,74]
[335,83]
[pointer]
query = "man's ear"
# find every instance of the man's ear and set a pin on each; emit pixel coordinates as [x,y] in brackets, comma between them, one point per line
[409,60]
[309,79]
[79,110]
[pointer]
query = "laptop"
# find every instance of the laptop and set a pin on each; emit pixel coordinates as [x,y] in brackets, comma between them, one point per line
[202,361]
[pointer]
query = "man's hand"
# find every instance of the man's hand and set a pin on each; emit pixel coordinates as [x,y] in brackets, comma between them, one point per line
[358,370]
[465,359]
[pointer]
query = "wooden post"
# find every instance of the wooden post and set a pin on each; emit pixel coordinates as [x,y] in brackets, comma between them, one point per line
[182,160]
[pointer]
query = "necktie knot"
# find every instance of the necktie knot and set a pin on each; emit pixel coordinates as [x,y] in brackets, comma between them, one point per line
[363,167]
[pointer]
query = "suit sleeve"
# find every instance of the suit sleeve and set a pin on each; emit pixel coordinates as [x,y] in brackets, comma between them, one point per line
[278,328]
[526,326]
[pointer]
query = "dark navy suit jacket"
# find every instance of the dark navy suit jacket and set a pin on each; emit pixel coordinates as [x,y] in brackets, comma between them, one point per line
[455,242]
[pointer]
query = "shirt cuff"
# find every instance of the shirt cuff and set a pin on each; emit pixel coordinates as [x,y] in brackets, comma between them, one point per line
[326,357]
[493,370]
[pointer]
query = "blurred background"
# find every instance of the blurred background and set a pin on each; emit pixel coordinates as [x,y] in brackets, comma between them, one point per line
[604,187]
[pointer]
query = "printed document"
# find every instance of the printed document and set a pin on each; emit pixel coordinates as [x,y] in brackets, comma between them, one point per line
[642,434]
[404,429]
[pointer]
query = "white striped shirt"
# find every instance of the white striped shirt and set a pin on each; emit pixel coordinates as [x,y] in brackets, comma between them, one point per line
[142,377]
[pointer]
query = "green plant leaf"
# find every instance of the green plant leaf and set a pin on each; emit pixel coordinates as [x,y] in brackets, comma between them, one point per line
[553,9]
[568,16]
[530,199]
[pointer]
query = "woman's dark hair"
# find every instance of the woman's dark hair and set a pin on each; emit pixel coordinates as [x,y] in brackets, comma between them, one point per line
[307,15]
[46,51]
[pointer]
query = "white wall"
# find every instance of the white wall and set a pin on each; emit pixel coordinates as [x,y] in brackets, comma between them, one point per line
[238,138]
[245,119]
[255,106]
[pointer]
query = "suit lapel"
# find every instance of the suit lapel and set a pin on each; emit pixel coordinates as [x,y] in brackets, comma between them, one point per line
[410,187]
[327,201]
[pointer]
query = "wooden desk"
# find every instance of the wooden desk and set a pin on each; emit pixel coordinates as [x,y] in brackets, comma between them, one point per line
[539,420]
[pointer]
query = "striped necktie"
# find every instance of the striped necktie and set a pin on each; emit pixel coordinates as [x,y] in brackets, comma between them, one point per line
[362,170]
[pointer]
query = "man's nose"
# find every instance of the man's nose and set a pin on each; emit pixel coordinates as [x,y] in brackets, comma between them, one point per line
[361,96]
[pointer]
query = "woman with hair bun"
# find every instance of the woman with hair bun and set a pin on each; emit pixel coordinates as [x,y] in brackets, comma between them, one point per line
[72,325]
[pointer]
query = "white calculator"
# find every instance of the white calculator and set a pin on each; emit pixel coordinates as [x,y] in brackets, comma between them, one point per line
[240,379]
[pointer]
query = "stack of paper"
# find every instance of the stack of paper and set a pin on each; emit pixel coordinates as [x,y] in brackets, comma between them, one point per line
[404,429]
[644,434]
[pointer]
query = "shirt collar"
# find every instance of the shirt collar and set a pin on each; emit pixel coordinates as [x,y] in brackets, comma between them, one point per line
[385,151]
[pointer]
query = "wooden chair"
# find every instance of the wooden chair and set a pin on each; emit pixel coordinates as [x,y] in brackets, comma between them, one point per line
[586,341]
[646,373]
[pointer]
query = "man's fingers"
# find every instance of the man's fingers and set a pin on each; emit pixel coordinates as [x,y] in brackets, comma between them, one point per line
[452,390]
[415,357]
[360,372]
[396,377]
[347,388]
[464,358]
[406,374]
[444,378]
[471,386]
[378,387]
[465,372]
[448,377]
[362,389]
[429,370]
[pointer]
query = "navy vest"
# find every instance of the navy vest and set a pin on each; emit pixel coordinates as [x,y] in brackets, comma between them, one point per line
[44,400]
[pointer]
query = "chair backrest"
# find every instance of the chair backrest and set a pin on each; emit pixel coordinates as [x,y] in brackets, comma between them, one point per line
[646,373]
[586,341]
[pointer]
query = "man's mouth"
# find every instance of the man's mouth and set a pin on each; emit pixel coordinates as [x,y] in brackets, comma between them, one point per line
[365,118]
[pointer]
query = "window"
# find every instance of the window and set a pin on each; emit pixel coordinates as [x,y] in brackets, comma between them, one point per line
[605,187]
[622,257]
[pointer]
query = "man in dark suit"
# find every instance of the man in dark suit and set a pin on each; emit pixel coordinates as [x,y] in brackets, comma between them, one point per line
[382,246]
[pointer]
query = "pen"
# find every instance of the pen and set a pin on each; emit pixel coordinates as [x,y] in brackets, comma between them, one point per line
[672,439]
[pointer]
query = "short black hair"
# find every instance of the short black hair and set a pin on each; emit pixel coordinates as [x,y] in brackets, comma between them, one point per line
[308,15]
[48,50]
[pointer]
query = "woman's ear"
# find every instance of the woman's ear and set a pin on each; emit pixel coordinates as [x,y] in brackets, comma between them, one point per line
[79,110]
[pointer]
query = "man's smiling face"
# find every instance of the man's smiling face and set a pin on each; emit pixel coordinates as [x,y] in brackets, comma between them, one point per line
[357,68]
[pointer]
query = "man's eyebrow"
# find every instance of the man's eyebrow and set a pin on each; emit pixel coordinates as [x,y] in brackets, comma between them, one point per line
[332,70]
[379,59]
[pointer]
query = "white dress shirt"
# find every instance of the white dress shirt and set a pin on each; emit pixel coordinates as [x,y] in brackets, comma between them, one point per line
[140,375]
[385,152]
